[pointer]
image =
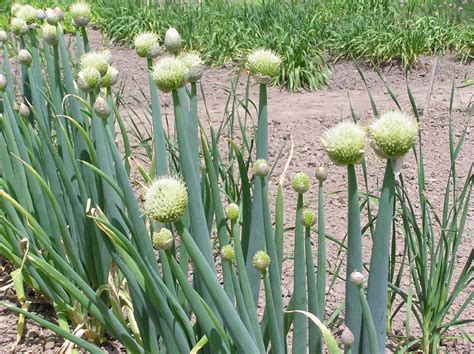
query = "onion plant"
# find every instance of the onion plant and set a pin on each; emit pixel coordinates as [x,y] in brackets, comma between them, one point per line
[179,268]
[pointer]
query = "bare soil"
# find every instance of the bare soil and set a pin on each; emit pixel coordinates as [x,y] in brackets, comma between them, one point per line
[305,116]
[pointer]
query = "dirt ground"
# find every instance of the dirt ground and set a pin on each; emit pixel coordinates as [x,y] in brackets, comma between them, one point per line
[305,116]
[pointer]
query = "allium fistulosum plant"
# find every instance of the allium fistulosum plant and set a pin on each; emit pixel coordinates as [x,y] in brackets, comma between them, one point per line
[180,268]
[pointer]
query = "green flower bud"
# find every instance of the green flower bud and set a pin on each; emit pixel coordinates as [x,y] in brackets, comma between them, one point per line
[110,78]
[52,17]
[345,143]
[393,134]
[27,13]
[193,62]
[261,168]
[166,200]
[59,13]
[357,278]
[97,60]
[321,174]
[40,14]
[261,261]
[173,42]
[264,65]
[163,240]
[232,211]
[347,338]
[18,26]
[3,36]
[81,13]
[3,82]
[102,108]
[24,111]
[301,183]
[308,218]
[147,45]
[24,57]
[228,253]
[50,34]
[169,73]
[88,79]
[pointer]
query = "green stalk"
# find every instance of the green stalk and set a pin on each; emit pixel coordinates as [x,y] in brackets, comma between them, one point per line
[300,335]
[378,276]
[321,277]
[279,225]
[277,342]
[256,241]
[274,268]
[245,285]
[354,259]
[159,147]
[314,335]
[369,326]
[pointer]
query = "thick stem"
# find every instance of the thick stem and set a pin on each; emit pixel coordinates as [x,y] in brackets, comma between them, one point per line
[314,334]
[372,346]
[378,276]
[354,259]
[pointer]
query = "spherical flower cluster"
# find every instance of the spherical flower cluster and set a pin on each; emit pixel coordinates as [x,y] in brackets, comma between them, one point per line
[18,26]
[393,134]
[15,8]
[228,253]
[102,108]
[232,211]
[264,65]
[163,240]
[169,73]
[88,79]
[193,62]
[147,45]
[50,34]
[300,183]
[173,42]
[24,57]
[97,60]
[81,13]
[261,168]
[345,143]
[261,261]
[27,13]
[110,78]
[166,200]
[308,218]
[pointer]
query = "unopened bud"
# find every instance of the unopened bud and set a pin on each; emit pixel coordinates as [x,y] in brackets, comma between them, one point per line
[232,211]
[3,82]
[173,41]
[163,240]
[40,15]
[261,261]
[261,168]
[3,36]
[321,174]
[357,278]
[59,13]
[50,34]
[347,338]
[102,108]
[24,111]
[228,253]
[52,17]
[24,57]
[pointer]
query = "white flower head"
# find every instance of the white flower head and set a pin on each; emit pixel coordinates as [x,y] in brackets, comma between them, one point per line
[27,13]
[147,45]
[264,65]
[18,26]
[88,79]
[166,200]
[110,78]
[345,143]
[194,63]
[97,60]
[50,34]
[169,73]
[81,13]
